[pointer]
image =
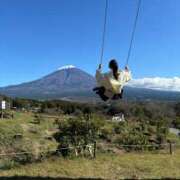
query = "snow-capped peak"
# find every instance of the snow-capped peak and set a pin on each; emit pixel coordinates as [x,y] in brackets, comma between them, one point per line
[66,67]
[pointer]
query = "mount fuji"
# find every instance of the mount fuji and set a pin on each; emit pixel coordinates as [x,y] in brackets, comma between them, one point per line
[65,82]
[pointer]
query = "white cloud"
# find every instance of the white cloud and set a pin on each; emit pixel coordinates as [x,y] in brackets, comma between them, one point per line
[158,83]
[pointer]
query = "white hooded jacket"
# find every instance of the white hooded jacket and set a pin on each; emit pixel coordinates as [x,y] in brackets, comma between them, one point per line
[112,85]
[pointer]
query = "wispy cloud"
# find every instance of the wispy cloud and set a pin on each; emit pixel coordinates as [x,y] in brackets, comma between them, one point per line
[158,83]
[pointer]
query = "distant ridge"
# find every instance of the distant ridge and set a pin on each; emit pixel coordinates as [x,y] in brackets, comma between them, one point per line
[71,83]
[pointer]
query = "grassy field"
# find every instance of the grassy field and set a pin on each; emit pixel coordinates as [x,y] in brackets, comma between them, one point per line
[21,134]
[23,123]
[105,166]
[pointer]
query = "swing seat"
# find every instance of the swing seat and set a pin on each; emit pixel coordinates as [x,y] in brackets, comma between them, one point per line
[101,92]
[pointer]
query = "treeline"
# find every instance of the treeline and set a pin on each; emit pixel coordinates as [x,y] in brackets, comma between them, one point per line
[141,110]
[2,97]
[145,111]
[66,107]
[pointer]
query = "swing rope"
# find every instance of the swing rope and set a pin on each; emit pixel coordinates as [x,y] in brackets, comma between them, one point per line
[104,33]
[133,32]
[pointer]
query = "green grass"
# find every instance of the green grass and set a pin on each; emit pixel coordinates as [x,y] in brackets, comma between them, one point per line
[108,166]
[23,124]
[34,137]
[174,138]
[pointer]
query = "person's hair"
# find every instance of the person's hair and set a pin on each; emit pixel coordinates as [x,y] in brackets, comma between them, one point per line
[114,66]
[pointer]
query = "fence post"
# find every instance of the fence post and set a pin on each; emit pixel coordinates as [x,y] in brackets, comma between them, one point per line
[94,149]
[2,116]
[170,148]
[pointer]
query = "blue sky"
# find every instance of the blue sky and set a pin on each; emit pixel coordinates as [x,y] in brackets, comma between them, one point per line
[39,36]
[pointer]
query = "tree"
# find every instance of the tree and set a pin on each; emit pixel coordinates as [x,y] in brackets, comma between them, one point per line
[177,109]
[77,131]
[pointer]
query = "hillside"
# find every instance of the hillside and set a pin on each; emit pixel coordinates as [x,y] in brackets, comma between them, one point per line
[34,135]
[107,165]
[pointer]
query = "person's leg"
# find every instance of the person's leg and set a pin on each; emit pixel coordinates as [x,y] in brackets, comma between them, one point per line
[118,96]
[100,92]
[96,88]
[121,95]
[115,97]
[103,97]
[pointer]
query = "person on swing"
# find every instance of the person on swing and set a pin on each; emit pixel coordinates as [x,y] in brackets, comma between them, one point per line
[110,84]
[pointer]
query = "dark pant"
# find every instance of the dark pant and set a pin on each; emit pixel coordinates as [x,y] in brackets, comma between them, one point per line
[118,96]
[100,91]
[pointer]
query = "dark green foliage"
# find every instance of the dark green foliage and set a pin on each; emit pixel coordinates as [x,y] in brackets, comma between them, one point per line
[177,109]
[77,131]
[162,130]
[176,122]
[107,132]
[67,107]
[140,133]
[131,134]
[27,104]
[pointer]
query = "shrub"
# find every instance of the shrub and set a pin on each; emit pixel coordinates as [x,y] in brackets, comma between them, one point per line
[6,163]
[176,123]
[77,131]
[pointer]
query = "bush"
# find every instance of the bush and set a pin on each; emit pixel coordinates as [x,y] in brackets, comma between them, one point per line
[107,132]
[132,134]
[138,134]
[176,123]
[7,163]
[78,131]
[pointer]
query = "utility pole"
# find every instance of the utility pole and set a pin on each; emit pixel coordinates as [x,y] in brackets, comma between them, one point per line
[95,145]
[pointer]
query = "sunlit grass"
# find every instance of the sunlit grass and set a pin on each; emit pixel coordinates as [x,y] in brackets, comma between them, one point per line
[109,166]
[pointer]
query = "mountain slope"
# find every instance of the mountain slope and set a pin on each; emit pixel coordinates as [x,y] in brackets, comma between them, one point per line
[56,85]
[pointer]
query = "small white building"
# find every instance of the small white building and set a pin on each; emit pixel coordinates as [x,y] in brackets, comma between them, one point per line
[118,118]
[2,105]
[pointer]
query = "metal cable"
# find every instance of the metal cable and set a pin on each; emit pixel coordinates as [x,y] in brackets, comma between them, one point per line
[133,32]
[104,32]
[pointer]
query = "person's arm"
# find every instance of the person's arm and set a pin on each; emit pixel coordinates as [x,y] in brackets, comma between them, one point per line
[99,74]
[127,74]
